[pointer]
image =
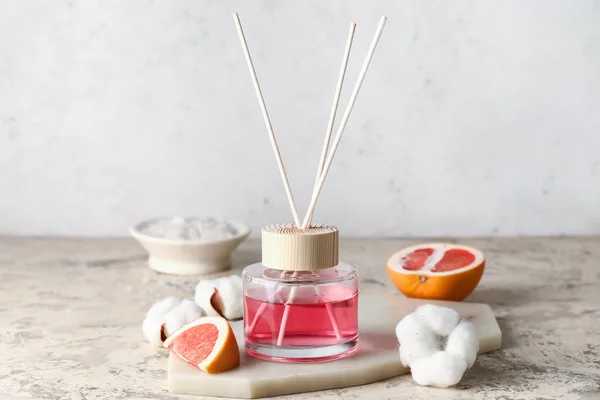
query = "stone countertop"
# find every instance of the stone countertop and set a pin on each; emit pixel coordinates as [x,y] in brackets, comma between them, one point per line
[71,315]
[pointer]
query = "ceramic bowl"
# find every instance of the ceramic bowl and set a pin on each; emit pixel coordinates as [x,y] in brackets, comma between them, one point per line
[189,257]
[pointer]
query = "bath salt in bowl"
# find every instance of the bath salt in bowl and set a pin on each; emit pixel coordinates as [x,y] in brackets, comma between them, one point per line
[189,246]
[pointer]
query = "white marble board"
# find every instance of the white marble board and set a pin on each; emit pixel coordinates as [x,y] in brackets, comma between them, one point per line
[376,359]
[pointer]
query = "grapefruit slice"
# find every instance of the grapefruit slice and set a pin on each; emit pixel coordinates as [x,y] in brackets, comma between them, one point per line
[436,271]
[207,343]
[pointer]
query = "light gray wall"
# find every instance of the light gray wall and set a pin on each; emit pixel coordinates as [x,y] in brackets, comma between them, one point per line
[476,118]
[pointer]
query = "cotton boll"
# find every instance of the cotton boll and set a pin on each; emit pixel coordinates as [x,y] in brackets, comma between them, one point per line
[220,282]
[419,333]
[236,280]
[413,329]
[152,327]
[155,317]
[440,319]
[412,352]
[204,292]
[231,298]
[443,369]
[163,306]
[191,310]
[416,339]
[221,297]
[463,342]
[186,312]
[204,288]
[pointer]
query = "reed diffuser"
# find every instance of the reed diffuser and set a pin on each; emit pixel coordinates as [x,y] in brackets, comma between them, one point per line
[301,301]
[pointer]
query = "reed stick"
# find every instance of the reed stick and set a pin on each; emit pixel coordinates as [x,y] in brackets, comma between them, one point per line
[285,316]
[333,112]
[287,309]
[343,124]
[267,119]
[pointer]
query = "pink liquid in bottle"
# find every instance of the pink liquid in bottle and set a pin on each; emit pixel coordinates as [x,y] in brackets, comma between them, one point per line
[301,316]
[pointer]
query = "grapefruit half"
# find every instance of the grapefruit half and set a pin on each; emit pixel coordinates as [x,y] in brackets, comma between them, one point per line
[207,343]
[436,271]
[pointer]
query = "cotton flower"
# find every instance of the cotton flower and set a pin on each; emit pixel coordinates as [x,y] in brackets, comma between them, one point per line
[186,311]
[442,369]
[221,297]
[416,339]
[167,315]
[441,320]
[463,342]
[163,306]
[420,334]
[154,320]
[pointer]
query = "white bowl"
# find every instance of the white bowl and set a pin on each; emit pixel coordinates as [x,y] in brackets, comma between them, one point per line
[189,257]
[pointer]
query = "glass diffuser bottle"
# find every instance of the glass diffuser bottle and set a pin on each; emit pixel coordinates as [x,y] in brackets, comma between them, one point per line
[300,302]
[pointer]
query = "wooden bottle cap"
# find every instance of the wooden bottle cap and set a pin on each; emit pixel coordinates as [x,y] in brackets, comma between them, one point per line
[288,248]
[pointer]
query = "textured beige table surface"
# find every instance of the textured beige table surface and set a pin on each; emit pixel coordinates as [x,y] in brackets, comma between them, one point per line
[70,314]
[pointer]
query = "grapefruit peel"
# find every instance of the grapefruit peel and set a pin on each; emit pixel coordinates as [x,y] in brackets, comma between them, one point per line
[207,343]
[436,271]
[420,333]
